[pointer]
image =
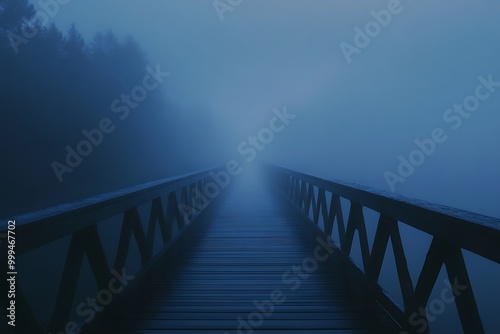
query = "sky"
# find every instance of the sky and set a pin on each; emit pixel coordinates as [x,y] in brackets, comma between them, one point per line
[355,114]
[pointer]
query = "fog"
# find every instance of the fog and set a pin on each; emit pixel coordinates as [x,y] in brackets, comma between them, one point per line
[354,119]
[410,109]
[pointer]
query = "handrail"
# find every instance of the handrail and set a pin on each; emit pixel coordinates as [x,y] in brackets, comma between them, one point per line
[452,230]
[41,227]
[167,199]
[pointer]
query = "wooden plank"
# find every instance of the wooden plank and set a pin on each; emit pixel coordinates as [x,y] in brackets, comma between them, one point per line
[236,257]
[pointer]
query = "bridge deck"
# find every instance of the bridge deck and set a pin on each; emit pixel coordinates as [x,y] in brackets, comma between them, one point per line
[239,252]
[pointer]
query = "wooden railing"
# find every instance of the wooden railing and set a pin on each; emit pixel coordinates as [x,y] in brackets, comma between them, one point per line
[452,231]
[166,200]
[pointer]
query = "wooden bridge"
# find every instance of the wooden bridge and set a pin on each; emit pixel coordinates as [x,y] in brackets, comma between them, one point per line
[216,252]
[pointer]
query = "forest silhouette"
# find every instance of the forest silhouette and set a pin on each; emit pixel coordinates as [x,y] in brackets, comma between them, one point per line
[55,85]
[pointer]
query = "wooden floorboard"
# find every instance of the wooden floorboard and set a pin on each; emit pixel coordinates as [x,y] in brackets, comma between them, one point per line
[233,259]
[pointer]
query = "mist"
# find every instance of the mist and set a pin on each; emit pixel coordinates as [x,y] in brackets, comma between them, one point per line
[398,97]
[356,118]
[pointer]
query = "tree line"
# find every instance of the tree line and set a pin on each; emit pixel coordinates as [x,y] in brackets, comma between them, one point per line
[55,85]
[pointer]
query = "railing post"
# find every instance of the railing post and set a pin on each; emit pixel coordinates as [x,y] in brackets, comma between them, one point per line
[464,300]
[356,221]
[68,284]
